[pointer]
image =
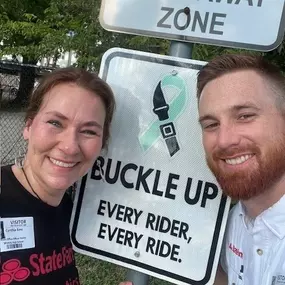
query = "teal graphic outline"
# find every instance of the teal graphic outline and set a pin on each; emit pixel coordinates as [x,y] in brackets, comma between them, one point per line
[176,107]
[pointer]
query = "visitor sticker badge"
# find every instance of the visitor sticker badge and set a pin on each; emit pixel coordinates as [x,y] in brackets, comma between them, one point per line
[16,233]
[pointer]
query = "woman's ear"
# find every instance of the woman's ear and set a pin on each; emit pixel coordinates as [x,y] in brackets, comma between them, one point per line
[27,129]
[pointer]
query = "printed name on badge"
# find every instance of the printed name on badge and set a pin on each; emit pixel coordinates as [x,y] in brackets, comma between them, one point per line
[16,233]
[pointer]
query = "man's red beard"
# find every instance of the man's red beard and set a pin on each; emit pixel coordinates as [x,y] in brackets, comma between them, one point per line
[267,171]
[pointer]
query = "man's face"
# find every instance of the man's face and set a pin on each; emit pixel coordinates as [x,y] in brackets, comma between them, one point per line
[243,134]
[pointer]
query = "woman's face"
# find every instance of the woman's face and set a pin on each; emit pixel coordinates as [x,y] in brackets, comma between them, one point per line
[65,137]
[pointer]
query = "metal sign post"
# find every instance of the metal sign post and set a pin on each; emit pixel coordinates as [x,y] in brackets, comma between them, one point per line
[137,278]
[180,49]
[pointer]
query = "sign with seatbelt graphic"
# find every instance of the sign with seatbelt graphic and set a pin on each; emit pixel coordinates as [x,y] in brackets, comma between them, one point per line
[152,205]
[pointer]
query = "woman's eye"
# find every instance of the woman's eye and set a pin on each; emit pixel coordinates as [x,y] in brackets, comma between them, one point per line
[55,123]
[90,132]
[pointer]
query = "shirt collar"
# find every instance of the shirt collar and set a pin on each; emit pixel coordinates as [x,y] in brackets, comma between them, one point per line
[247,221]
[273,217]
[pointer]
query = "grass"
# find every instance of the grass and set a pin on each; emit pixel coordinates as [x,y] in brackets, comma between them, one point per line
[96,272]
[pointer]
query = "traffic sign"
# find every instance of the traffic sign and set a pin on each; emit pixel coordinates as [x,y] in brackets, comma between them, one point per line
[249,24]
[158,209]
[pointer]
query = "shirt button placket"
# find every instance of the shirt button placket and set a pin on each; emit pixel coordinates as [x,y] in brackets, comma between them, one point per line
[259,252]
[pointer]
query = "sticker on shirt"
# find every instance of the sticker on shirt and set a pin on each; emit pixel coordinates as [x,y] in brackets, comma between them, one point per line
[16,233]
[235,276]
[278,279]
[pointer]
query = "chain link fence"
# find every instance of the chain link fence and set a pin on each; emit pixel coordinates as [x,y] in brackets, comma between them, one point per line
[17,81]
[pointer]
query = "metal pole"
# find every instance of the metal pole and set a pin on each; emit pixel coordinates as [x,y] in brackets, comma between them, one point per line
[178,49]
[137,278]
[69,58]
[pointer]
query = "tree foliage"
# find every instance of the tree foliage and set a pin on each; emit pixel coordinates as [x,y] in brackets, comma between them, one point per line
[206,53]
[44,28]
[37,29]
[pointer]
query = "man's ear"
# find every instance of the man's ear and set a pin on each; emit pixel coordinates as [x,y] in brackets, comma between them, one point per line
[27,129]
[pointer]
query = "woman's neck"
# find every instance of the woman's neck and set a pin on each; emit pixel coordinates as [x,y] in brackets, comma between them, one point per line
[25,177]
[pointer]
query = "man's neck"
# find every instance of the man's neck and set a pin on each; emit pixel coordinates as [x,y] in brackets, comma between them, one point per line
[256,205]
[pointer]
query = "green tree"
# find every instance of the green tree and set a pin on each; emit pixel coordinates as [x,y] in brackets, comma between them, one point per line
[36,29]
[206,53]
[26,30]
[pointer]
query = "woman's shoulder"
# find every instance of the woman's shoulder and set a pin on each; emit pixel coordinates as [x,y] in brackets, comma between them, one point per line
[67,203]
[6,174]
[6,169]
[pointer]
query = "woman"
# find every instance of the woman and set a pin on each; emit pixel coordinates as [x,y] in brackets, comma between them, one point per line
[66,125]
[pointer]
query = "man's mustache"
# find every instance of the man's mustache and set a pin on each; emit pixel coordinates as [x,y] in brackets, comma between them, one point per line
[223,153]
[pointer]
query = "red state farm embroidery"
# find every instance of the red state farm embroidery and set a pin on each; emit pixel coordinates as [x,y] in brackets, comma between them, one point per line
[235,250]
[72,282]
[44,264]
[12,270]
[39,265]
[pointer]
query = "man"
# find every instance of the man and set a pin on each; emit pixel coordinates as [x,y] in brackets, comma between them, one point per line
[242,114]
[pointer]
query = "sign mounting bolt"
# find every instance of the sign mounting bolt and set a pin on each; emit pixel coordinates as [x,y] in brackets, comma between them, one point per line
[187,10]
[137,254]
[174,72]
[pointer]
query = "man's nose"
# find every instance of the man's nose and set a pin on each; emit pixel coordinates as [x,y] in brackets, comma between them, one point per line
[227,136]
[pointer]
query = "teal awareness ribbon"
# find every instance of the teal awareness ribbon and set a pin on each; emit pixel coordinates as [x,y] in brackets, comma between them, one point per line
[176,107]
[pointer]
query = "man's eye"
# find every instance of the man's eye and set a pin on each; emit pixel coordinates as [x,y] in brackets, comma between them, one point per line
[55,123]
[246,116]
[210,126]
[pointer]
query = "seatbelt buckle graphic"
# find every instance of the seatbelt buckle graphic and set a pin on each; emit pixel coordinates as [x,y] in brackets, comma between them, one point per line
[169,135]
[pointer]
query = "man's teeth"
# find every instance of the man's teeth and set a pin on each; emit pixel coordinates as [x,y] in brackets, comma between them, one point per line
[62,164]
[238,160]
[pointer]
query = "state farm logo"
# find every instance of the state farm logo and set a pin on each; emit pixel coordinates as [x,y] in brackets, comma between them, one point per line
[12,271]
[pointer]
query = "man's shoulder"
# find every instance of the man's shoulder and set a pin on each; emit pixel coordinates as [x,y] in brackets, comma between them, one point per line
[231,241]
[234,222]
[235,211]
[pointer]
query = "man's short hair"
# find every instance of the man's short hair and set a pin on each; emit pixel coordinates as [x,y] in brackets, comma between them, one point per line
[227,63]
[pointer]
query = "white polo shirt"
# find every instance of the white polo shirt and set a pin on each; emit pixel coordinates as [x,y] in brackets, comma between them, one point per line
[253,252]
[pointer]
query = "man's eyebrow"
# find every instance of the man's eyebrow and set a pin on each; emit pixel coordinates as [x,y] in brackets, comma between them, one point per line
[246,105]
[234,108]
[86,124]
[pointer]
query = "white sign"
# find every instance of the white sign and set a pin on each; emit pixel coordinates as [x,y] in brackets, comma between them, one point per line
[159,209]
[249,24]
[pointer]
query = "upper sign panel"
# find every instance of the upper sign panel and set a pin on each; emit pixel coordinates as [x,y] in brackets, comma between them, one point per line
[249,24]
